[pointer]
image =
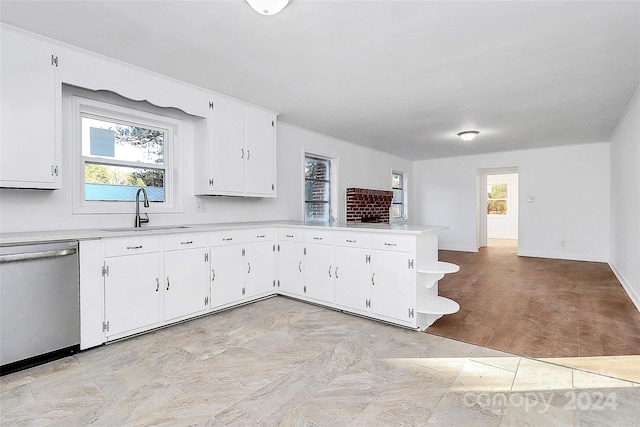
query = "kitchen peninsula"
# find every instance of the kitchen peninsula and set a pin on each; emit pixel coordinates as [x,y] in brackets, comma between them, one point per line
[133,280]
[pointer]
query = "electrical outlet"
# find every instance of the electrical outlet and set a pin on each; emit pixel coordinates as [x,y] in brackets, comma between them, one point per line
[201,206]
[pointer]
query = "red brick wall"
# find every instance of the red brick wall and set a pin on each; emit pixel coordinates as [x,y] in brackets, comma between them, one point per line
[362,203]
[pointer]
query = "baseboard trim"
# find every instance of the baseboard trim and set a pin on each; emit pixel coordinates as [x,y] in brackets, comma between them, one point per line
[457,249]
[635,298]
[568,257]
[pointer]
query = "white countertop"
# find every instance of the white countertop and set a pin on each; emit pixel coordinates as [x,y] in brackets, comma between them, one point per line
[100,233]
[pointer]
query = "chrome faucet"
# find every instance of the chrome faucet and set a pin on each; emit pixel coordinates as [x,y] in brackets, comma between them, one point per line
[140,221]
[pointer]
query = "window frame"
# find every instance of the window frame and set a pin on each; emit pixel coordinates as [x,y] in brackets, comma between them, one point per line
[332,181]
[82,106]
[405,214]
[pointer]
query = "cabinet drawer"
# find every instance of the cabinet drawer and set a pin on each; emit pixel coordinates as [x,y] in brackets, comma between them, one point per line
[318,236]
[393,242]
[184,241]
[354,240]
[291,235]
[259,235]
[230,237]
[131,246]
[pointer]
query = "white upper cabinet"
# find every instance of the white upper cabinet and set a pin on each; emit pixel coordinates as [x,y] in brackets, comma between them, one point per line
[238,158]
[30,145]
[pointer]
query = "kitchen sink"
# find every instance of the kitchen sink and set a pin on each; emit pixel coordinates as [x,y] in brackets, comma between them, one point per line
[145,228]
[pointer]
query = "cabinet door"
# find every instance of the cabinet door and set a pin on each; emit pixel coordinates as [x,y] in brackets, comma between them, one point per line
[290,277]
[186,282]
[352,280]
[393,289]
[261,152]
[260,268]
[318,272]
[29,139]
[132,292]
[227,274]
[228,152]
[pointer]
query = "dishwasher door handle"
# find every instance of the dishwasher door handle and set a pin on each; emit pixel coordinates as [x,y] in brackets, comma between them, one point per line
[27,256]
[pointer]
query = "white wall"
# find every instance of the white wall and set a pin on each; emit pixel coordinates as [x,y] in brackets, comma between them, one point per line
[505,226]
[625,200]
[33,210]
[570,185]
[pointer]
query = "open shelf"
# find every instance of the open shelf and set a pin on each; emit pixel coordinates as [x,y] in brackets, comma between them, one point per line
[439,267]
[439,305]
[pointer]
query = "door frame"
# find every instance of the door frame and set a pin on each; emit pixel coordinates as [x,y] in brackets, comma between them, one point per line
[481,200]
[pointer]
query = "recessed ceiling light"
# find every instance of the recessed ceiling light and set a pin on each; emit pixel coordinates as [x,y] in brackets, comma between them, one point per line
[268,7]
[468,135]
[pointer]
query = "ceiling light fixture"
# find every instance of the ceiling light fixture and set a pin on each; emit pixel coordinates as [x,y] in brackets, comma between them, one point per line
[468,135]
[268,7]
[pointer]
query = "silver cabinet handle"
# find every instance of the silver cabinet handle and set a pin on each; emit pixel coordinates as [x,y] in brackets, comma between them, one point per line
[157,284]
[134,247]
[329,271]
[228,239]
[168,283]
[289,235]
[260,236]
[336,273]
[213,274]
[373,275]
[36,255]
[249,265]
[351,241]
[317,238]
[390,244]
[248,154]
[300,266]
[187,243]
[242,155]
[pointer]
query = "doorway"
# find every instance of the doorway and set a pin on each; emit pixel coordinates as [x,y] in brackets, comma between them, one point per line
[498,208]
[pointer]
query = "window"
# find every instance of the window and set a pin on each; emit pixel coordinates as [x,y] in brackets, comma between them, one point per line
[119,150]
[317,189]
[399,202]
[497,199]
[119,157]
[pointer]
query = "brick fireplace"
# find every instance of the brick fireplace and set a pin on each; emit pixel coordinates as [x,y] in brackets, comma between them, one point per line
[364,205]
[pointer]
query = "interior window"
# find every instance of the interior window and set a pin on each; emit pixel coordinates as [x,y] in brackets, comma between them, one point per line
[398,203]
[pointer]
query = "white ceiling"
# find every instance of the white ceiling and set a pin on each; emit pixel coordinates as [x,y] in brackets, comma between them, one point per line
[398,76]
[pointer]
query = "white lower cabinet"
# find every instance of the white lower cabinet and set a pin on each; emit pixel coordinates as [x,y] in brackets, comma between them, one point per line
[319,266]
[186,284]
[290,262]
[260,277]
[132,293]
[242,265]
[227,272]
[352,284]
[145,287]
[393,290]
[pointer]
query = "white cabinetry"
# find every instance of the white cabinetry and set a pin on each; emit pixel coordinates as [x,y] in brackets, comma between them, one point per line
[290,262]
[260,277]
[30,143]
[352,277]
[227,268]
[242,265]
[186,273]
[132,288]
[393,290]
[239,156]
[318,266]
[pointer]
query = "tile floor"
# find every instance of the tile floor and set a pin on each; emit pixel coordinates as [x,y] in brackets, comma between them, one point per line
[287,363]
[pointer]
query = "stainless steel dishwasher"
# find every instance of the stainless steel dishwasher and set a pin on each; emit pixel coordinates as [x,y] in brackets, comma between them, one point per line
[39,304]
